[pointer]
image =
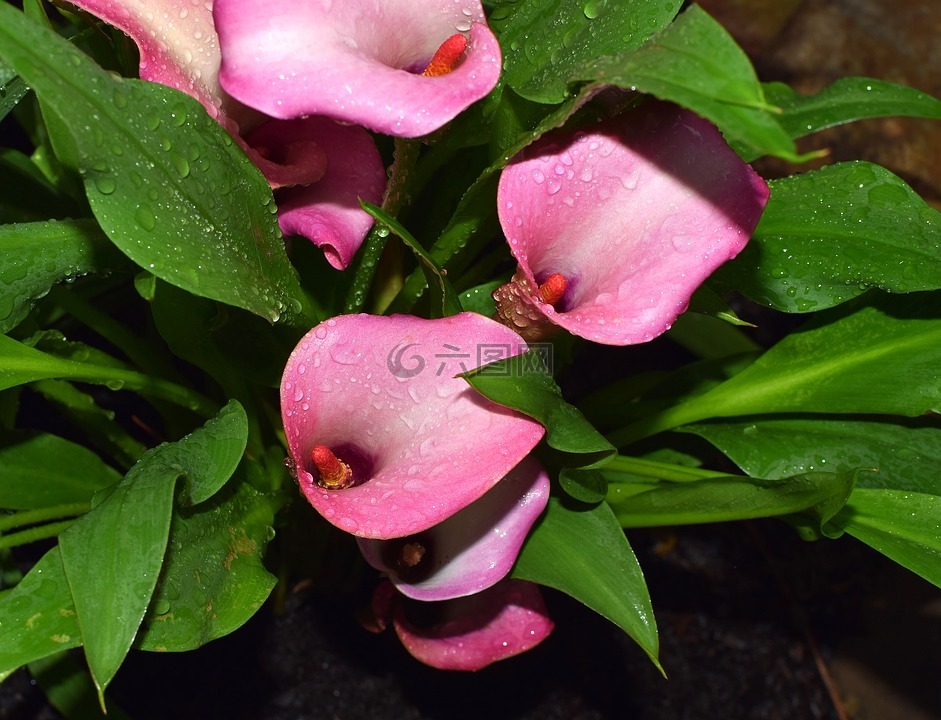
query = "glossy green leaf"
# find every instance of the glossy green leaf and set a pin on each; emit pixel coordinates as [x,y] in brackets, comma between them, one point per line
[36,256]
[21,364]
[880,357]
[38,616]
[734,497]
[695,63]
[584,553]
[213,579]
[846,100]
[113,555]
[829,235]
[167,184]
[904,455]
[12,89]
[523,383]
[893,509]
[41,470]
[548,43]
[904,526]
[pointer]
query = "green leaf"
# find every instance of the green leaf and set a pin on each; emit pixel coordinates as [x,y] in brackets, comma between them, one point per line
[167,184]
[37,616]
[479,299]
[20,364]
[12,89]
[893,509]
[829,235]
[113,555]
[444,300]
[36,256]
[846,100]
[548,43]
[877,358]
[65,683]
[587,486]
[734,497]
[904,455]
[45,470]
[695,63]
[213,579]
[904,526]
[523,383]
[585,554]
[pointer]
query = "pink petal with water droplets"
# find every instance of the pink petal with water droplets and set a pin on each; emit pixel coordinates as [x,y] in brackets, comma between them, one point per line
[358,61]
[381,393]
[475,631]
[328,212]
[635,212]
[474,548]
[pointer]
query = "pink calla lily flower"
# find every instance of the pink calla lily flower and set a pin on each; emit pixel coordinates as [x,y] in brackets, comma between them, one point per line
[327,166]
[399,67]
[387,444]
[471,550]
[471,632]
[613,227]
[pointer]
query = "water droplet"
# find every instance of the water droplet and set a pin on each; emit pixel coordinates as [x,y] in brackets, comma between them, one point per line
[180,164]
[144,215]
[592,8]
[105,184]
[178,115]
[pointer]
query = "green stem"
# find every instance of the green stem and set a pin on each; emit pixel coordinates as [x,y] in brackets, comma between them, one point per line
[405,158]
[42,532]
[660,470]
[38,515]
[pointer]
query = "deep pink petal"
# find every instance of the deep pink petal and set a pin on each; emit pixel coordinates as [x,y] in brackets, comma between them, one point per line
[635,213]
[327,212]
[358,60]
[381,393]
[474,548]
[475,631]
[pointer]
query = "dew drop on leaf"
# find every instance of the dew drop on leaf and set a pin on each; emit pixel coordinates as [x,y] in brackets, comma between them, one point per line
[144,216]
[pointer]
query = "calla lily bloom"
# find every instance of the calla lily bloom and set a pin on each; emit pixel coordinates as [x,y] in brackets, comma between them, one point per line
[471,550]
[327,166]
[386,441]
[467,633]
[400,67]
[613,227]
